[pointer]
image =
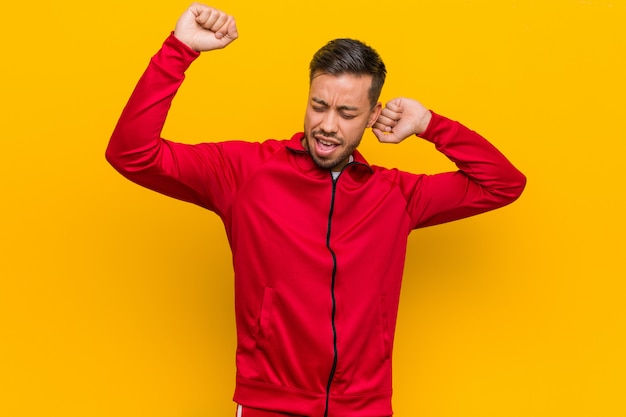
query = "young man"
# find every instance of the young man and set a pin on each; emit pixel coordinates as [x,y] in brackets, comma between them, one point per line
[318,236]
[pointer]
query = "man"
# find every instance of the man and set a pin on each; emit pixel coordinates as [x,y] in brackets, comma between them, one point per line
[318,236]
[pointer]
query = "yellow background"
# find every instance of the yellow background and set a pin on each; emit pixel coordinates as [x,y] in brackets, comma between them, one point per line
[116,301]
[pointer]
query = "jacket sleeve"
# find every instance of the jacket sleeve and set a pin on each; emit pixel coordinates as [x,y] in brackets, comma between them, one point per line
[200,174]
[485,179]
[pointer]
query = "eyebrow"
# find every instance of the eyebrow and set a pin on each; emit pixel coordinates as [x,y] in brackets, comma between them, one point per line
[343,107]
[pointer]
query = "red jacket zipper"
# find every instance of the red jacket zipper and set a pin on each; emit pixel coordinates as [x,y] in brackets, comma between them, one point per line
[332,295]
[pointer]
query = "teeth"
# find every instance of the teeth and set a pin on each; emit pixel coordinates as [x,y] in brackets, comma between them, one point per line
[326,143]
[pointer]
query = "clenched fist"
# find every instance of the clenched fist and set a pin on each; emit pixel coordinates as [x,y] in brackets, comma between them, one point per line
[401,118]
[204,28]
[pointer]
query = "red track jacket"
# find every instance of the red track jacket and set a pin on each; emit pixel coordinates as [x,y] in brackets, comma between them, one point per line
[318,263]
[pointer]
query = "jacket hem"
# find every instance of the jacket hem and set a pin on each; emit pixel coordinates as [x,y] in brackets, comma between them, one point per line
[311,404]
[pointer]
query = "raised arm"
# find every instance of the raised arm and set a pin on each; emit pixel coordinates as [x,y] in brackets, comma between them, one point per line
[136,148]
[485,179]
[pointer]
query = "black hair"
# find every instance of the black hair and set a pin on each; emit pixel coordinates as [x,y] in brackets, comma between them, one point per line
[350,56]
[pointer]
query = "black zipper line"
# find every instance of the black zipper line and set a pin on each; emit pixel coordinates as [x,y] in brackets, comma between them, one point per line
[332,295]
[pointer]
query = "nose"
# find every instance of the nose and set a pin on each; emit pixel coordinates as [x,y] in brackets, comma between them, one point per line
[329,122]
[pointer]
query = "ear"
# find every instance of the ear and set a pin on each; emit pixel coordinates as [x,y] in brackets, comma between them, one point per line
[374,114]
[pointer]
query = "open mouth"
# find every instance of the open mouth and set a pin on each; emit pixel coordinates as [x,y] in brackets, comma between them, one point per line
[326,143]
[324,146]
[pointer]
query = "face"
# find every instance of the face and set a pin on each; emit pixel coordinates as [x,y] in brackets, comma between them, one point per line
[337,114]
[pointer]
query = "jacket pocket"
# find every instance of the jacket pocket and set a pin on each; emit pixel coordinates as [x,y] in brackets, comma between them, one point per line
[384,325]
[265,317]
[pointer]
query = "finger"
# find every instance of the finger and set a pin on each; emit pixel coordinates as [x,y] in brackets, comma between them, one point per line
[391,114]
[378,133]
[219,26]
[384,137]
[228,29]
[200,12]
[388,120]
[233,33]
[382,127]
[207,18]
[210,19]
[394,105]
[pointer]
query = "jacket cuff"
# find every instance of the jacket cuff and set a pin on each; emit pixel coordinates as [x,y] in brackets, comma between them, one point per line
[433,127]
[180,56]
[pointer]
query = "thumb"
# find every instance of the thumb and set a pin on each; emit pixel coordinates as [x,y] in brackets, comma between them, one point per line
[384,137]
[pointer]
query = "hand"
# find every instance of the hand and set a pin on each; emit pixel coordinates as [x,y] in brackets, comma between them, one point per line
[401,118]
[204,28]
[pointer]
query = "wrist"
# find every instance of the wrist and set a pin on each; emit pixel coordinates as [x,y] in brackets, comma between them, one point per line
[424,122]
